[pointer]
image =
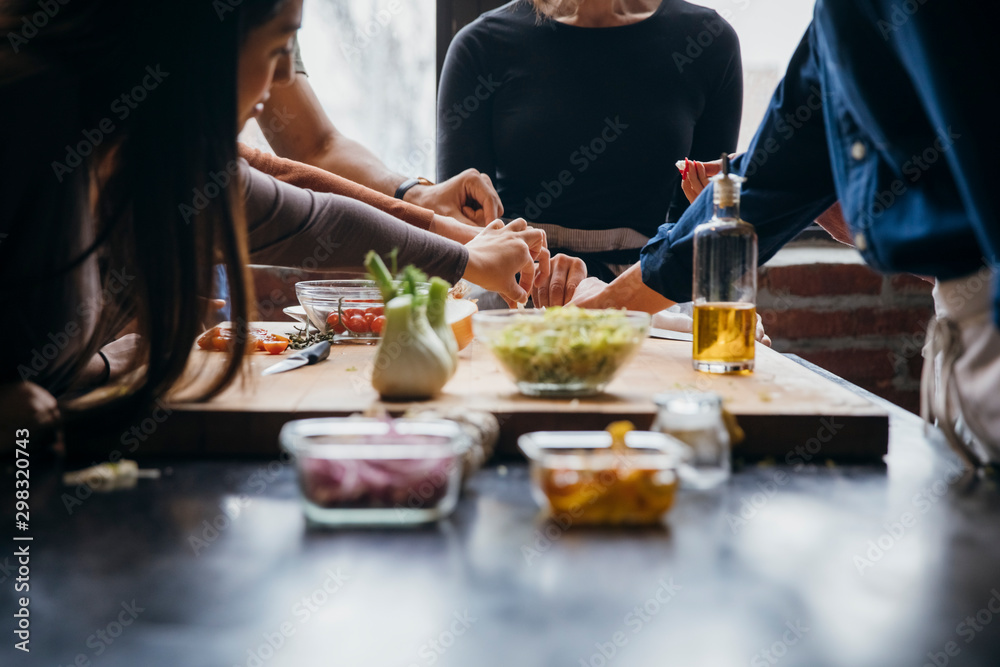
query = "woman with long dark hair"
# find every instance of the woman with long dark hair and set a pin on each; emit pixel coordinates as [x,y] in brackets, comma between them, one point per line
[121,190]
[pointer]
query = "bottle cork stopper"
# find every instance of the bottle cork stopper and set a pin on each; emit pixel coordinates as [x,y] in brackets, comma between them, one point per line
[727,185]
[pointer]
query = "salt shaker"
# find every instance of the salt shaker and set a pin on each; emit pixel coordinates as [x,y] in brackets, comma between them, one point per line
[695,418]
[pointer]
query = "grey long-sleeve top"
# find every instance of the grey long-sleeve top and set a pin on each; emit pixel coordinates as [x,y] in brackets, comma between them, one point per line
[291,226]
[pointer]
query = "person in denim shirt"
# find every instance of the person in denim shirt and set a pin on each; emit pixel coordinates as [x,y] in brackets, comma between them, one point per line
[889,108]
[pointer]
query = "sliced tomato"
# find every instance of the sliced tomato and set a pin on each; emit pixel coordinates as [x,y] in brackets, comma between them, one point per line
[206,340]
[275,346]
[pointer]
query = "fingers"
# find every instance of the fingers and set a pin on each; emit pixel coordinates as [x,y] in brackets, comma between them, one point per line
[518,225]
[535,239]
[527,280]
[700,176]
[544,269]
[760,335]
[479,191]
[540,295]
[469,216]
[577,274]
[689,191]
[512,292]
[557,283]
[589,293]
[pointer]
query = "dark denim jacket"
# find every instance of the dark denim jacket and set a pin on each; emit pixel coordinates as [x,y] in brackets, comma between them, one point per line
[890,107]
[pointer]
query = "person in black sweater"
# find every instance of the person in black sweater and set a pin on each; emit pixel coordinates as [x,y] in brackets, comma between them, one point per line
[579,110]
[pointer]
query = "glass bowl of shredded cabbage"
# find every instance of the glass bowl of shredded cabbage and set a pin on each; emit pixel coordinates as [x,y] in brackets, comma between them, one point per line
[561,351]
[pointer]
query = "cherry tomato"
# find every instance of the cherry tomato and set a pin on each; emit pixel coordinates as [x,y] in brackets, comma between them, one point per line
[333,322]
[375,310]
[356,324]
[378,325]
[369,318]
[275,346]
[353,312]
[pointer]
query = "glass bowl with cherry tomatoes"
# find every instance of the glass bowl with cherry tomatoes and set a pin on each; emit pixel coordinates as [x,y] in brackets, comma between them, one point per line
[352,310]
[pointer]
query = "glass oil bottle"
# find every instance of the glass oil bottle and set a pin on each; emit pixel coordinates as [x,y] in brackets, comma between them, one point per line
[725,283]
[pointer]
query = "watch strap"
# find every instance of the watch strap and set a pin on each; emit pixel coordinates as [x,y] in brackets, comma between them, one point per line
[409,183]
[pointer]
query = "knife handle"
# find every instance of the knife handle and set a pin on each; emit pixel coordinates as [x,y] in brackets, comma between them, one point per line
[316,353]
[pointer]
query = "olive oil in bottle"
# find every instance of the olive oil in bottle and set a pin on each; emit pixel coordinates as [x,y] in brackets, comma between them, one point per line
[725,283]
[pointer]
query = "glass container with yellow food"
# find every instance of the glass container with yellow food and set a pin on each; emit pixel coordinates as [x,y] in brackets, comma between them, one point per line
[615,477]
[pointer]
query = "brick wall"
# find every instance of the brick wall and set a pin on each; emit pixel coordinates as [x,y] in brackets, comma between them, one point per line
[824,304]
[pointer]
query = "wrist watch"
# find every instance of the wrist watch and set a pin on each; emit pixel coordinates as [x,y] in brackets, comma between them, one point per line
[409,183]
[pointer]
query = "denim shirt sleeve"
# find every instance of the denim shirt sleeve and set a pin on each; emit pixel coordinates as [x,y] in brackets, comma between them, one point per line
[789,180]
[950,63]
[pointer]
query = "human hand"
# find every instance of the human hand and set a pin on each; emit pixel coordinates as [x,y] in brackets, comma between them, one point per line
[695,176]
[760,335]
[468,197]
[565,275]
[501,251]
[592,293]
[26,406]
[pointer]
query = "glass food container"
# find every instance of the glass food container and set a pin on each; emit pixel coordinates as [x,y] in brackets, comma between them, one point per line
[581,479]
[725,283]
[562,351]
[351,310]
[695,419]
[376,471]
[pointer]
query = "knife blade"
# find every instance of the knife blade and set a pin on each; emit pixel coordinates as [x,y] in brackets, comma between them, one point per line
[307,357]
[666,334]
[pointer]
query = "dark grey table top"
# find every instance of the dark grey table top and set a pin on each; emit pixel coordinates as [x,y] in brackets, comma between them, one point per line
[821,566]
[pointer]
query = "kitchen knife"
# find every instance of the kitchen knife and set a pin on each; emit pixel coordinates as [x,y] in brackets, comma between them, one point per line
[670,335]
[307,357]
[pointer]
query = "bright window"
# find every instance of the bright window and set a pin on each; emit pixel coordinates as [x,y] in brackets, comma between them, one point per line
[372,65]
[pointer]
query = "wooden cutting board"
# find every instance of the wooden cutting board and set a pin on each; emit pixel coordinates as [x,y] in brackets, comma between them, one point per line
[787,411]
